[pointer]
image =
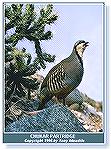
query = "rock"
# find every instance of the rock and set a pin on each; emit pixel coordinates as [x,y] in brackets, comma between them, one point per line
[31,105]
[89,109]
[56,118]
[98,106]
[100,114]
[91,120]
[50,103]
[19,107]
[74,106]
[74,97]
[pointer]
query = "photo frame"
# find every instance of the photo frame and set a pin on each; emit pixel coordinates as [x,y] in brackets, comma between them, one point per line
[37,37]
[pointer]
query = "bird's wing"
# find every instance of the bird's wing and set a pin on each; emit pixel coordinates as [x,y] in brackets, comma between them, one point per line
[55,79]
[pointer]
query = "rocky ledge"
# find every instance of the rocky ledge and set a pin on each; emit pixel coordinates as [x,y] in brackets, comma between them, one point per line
[56,118]
[80,114]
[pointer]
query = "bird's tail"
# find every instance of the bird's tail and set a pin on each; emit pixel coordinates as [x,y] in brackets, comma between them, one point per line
[44,97]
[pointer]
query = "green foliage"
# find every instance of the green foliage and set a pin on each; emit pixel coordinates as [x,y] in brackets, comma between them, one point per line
[26,23]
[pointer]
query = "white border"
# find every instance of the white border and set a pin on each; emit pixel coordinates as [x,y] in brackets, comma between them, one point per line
[107,3]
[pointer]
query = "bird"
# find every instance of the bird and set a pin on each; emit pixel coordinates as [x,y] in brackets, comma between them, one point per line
[64,77]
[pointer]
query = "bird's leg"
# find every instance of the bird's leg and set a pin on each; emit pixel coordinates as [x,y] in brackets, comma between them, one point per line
[42,105]
[64,102]
[55,100]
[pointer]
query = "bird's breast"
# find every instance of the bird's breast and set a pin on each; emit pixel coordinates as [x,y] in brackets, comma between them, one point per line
[74,71]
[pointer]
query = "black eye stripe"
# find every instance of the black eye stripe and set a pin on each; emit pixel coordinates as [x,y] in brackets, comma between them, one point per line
[79,42]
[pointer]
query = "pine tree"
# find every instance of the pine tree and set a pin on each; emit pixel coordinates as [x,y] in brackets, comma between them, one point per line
[25,23]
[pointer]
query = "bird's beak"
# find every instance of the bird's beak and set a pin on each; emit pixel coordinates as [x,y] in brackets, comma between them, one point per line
[86,44]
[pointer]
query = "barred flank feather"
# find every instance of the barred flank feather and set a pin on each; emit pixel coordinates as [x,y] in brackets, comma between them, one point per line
[56,80]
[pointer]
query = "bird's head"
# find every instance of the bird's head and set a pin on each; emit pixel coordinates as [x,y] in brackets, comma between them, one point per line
[80,46]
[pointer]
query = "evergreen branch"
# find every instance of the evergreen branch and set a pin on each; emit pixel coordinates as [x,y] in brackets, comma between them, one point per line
[30,83]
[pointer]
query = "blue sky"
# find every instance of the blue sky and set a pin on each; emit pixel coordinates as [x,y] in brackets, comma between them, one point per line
[75,22]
